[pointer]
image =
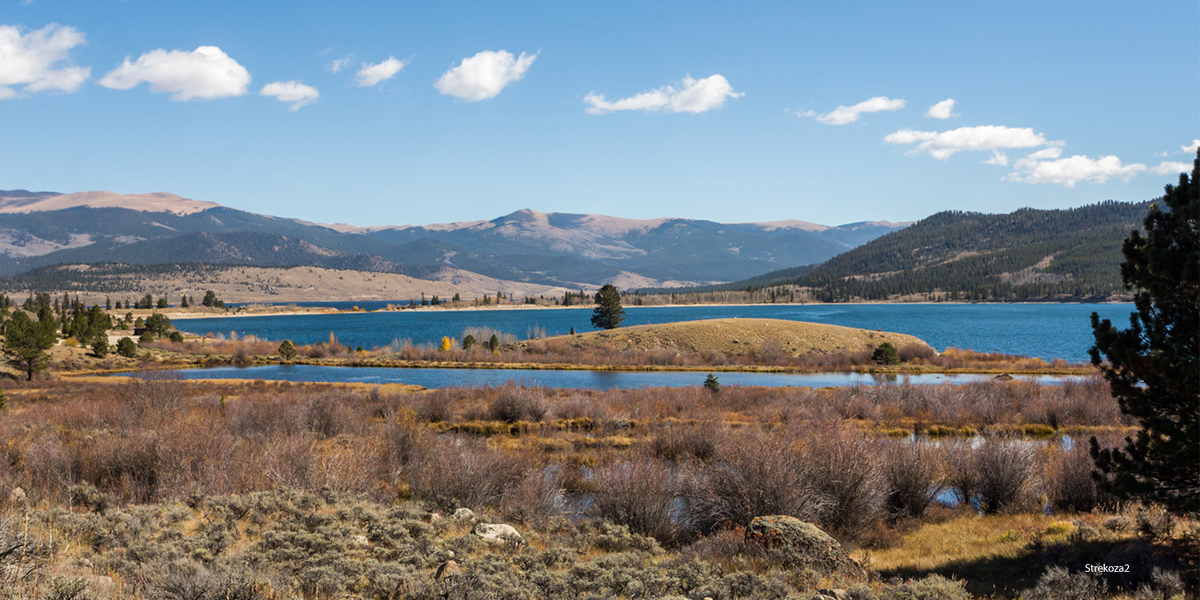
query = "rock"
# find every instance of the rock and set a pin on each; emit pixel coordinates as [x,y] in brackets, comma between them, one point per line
[831,595]
[447,570]
[464,514]
[359,541]
[17,497]
[800,544]
[497,533]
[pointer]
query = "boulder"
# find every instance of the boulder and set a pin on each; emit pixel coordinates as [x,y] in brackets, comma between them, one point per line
[831,595]
[464,514]
[447,570]
[17,497]
[359,541]
[497,533]
[800,544]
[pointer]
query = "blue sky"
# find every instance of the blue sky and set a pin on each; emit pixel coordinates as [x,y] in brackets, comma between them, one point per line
[407,113]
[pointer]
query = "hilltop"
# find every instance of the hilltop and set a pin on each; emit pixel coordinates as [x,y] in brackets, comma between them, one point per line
[740,337]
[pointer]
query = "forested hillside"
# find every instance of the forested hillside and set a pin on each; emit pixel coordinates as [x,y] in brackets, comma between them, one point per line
[954,255]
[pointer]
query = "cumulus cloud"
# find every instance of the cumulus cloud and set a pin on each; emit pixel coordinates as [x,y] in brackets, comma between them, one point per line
[206,73]
[1171,167]
[1191,147]
[484,75]
[1046,153]
[998,158]
[370,75]
[1068,171]
[943,145]
[36,60]
[291,91]
[695,96]
[942,110]
[849,114]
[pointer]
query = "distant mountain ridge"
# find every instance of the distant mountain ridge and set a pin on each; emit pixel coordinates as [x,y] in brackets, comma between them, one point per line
[46,228]
[1026,254]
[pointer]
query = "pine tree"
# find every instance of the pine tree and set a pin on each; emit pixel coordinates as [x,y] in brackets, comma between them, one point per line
[287,350]
[26,341]
[608,313]
[1153,367]
[712,384]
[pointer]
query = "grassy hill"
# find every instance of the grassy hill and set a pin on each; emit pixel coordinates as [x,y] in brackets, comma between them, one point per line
[741,336]
[1027,254]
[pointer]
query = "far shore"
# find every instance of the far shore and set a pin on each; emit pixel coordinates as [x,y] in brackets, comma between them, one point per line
[283,310]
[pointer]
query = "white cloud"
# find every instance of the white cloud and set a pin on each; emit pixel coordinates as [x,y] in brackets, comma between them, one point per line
[696,96]
[998,158]
[1046,153]
[1191,147]
[370,75]
[484,75]
[942,110]
[338,64]
[34,60]
[849,114]
[291,91]
[1171,167]
[806,113]
[206,73]
[1068,171]
[943,145]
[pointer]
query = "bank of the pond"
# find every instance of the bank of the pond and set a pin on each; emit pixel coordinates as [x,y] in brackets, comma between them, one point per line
[578,378]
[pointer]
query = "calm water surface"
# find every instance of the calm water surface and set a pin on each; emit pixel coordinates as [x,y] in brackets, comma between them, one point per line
[1047,331]
[600,380]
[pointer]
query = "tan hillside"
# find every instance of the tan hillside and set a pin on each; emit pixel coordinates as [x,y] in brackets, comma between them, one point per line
[157,202]
[743,336]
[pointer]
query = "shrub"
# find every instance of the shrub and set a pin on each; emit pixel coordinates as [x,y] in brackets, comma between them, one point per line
[636,494]
[886,354]
[176,337]
[462,472]
[913,478]
[146,338]
[1069,484]
[511,404]
[1057,583]
[100,346]
[933,587]
[1005,470]
[844,468]
[753,474]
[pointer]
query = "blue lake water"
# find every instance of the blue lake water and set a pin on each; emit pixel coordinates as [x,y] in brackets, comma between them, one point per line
[1047,331]
[601,380]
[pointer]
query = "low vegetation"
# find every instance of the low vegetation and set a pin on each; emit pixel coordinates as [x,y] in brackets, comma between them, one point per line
[161,488]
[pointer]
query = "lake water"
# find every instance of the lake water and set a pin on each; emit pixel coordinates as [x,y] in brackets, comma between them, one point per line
[601,380]
[1047,331]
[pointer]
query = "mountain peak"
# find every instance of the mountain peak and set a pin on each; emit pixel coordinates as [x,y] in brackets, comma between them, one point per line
[21,201]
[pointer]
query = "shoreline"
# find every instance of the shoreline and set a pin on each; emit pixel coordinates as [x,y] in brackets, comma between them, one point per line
[329,310]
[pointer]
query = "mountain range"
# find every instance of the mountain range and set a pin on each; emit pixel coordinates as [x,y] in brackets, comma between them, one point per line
[38,229]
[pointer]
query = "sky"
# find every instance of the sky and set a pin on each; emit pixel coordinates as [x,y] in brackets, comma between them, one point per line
[389,113]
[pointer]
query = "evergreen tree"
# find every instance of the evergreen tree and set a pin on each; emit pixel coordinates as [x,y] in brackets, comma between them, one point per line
[162,302]
[608,313]
[712,384]
[468,342]
[26,341]
[886,354]
[100,346]
[287,350]
[158,324]
[1153,366]
[127,347]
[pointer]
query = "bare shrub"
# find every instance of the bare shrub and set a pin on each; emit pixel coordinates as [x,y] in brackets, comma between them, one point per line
[913,477]
[537,496]
[753,474]
[844,467]
[683,441]
[436,407]
[1005,470]
[330,414]
[511,404]
[961,475]
[158,391]
[405,440]
[1068,480]
[462,472]
[914,352]
[636,494]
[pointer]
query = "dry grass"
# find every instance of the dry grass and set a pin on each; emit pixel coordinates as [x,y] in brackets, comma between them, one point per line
[733,337]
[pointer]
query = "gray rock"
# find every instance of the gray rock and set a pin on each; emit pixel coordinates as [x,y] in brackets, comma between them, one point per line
[464,514]
[447,570]
[497,533]
[800,544]
[359,541]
